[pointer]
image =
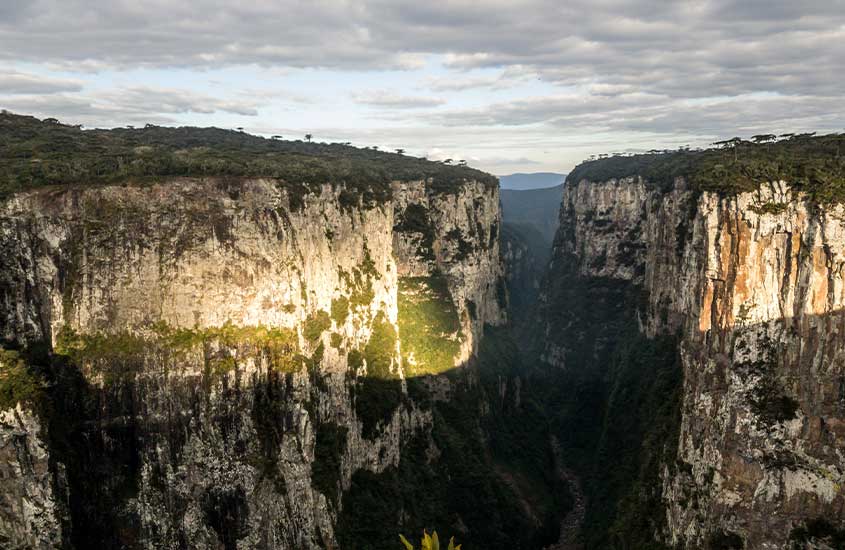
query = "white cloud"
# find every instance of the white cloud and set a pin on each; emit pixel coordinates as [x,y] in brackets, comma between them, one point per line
[388,99]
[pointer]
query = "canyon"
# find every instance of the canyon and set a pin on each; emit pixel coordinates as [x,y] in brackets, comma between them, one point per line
[211,360]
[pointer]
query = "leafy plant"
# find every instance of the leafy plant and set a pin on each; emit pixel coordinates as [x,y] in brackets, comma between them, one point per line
[430,542]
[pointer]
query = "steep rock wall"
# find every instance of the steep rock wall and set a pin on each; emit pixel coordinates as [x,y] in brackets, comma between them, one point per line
[752,286]
[226,349]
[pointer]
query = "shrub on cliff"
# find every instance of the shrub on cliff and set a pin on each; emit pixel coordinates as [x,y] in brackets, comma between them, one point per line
[36,153]
[809,163]
[17,383]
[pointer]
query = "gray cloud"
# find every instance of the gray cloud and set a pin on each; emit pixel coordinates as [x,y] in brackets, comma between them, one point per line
[640,112]
[459,83]
[711,67]
[677,48]
[116,107]
[13,82]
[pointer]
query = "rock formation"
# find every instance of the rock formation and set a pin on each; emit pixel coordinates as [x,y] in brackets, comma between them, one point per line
[227,352]
[751,289]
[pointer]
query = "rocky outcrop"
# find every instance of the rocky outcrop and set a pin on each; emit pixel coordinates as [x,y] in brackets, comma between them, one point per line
[29,515]
[752,286]
[225,350]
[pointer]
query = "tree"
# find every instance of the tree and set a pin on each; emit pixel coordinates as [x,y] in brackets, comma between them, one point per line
[447,161]
[308,137]
[763,138]
[462,162]
[400,151]
[240,128]
[734,142]
[276,137]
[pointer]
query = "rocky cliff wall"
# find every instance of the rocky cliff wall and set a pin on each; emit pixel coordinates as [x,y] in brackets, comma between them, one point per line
[227,353]
[753,288]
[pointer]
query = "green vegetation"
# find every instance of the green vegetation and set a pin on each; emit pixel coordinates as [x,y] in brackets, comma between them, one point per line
[329,448]
[381,349]
[36,153]
[812,164]
[360,282]
[18,384]
[340,310]
[430,542]
[124,353]
[770,208]
[315,325]
[429,327]
[379,393]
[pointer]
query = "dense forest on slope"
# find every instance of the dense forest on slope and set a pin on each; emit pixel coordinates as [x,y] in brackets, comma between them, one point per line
[37,152]
[809,163]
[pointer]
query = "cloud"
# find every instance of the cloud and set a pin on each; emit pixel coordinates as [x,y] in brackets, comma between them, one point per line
[630,69]
[12,82]
[384,98]
[657,114]
[161,100]
[116,107]
[504,161]
[459,83]
[668,47]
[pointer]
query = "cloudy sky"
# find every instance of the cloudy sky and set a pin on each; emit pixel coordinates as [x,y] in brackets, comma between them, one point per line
[507,85]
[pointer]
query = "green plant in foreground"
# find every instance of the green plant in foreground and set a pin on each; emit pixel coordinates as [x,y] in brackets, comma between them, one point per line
[430,542]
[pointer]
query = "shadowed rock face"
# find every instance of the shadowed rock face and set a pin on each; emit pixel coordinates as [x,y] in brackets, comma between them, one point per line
[753,287]
[210,336]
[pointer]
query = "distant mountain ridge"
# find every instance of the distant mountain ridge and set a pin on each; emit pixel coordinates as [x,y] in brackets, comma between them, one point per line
[535,180]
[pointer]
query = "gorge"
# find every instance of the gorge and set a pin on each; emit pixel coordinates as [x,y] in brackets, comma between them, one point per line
[212,340]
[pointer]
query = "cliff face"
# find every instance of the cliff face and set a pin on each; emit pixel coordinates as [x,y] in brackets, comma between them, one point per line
[229,352]
[751,290]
